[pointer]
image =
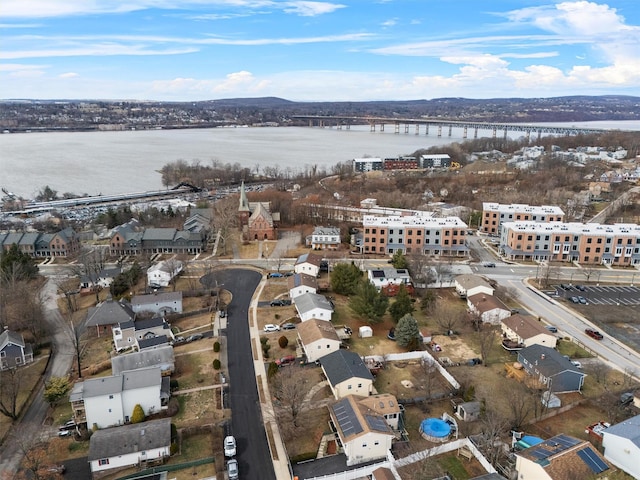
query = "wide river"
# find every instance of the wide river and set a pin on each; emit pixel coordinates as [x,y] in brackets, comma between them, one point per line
[128,161]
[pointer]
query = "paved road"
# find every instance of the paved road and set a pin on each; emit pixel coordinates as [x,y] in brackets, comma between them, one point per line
[254,458]
[31,426]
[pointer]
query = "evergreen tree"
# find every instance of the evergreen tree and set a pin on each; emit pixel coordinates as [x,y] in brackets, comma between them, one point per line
[368,302]
[138,414]
[399,260]
[345,278]
[17,264]
[402,304]
[407,331]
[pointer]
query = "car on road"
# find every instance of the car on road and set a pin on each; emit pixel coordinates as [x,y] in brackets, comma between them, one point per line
[286,360]
[581,288]
[489,265]
[275,275]
[594,334]
[194,337]
[574,300]
[270,327]
[229,446]
[288,326]
[232,469]
[582,300]
[289,274]
[551,328]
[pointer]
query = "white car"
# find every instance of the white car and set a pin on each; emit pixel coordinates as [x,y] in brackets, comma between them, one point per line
[232,469]
[270,327]
[229,446]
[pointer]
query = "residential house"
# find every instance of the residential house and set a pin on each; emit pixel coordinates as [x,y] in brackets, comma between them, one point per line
[488,308]
[383,277]
[170,240]
[14,352]
[151,343]
[108,401]
[621,443]
[527,330]
[324,238]
[162,273]
[257,221]
[385,405]
[159,303]
[468,285]
[550,369]
[308,263]
[312,305]
[64,243]
[561,458]
[127,334]
[364,435]
[301,283]
[126,239]
[108,314]
[317,339]
[347,374]
[102,279]
[199,220]
[162,357]
[136,445]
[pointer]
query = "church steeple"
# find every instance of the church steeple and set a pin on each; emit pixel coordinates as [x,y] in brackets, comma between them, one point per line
[244,202]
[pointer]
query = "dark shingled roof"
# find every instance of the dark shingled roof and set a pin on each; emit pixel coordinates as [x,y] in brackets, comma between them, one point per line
[343,365]
[126,439]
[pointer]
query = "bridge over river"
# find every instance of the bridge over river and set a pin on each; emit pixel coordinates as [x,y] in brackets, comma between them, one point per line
[419,125]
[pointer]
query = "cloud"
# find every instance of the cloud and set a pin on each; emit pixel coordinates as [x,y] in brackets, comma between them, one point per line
[18,70]
[68,75]
[390,23]
[91,50]
[311,9]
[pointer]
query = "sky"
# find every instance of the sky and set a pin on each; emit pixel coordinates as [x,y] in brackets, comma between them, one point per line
[305,50]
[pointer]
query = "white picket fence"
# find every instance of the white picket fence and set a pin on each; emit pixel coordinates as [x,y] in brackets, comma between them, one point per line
[397,357]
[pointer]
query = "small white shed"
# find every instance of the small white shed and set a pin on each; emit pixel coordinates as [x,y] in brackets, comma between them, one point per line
[365,332]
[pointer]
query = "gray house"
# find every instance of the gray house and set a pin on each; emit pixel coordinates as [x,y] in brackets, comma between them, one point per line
[162,357]
[550,369]
[159,303]
[108,314]
[347,374]
[13,351]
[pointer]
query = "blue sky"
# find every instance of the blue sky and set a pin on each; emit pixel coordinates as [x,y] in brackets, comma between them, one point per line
[317,50]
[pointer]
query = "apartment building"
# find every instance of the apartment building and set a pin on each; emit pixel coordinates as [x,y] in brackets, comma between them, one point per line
[586,243]
[415,234]
[495,214]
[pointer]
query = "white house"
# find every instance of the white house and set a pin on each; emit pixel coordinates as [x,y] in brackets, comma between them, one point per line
[468,285]
[621,443]
[300,283]
[324,238]
[308,263]
[127,334]
[161,274]
[160,303]
[382,277]
[103,279]
[109,401]
[488,308]
[560,458]
[347,374]
[317,339]
[139,444]
[312,305]
[364,435]
[527,330]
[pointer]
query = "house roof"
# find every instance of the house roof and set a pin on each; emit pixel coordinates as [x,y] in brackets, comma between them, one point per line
[468,281]
[157,357]
[310,301]
[153,234]
[260,209]
[171,267]
[302,279]
[136,437]
[127,380]
[160,297]
[525,326]
[147,323]
[313,330]
[29,238]
[342,365]
[152,342]
[565,457]
[109,312]
[547,360]
[383,473]
[326,231]
[389,272]
[486,303]
[381,404]
[311,258]
[353,420]
[7,337]
[629,429]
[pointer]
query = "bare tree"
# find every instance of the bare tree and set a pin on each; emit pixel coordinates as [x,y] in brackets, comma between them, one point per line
[429,374]
[225,216]
[10,382]
[494,425]
[521,405]
[290,387]
[441,269]
[77,334]
[419,266]
[173,267]
[487,337]
[588,271]
[600,372]
[548,273]
[448,317]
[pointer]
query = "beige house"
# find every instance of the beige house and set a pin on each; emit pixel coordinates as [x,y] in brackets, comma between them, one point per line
[488,308]
[364,435]
[301,283]
[469,285]
[385,405]
[347,374]
[527,330]
[317,339]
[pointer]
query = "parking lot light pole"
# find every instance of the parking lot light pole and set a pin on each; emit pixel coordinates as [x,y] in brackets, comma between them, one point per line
[633,277]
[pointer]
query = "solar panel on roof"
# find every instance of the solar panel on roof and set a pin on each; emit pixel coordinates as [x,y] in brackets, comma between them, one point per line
[593,461]
[347,418]
[565,440]
[376,423]
[539,453]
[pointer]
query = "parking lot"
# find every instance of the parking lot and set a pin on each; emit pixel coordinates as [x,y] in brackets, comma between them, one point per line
[601,295]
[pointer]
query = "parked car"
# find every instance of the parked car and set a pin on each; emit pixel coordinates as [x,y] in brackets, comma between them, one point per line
[178,340]
[551,328]
[277,303]
[564,286]
[232,469]
[194,337]
[229,446]
[583,300]
[270,327]
[64,433]
[286,360]
[581,288]
[594,334]
[70,425]
[574,300]
[288,326]
[275,275]
[288,274]
[576,364]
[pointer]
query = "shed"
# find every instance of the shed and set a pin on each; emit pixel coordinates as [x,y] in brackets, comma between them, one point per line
[365,332]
